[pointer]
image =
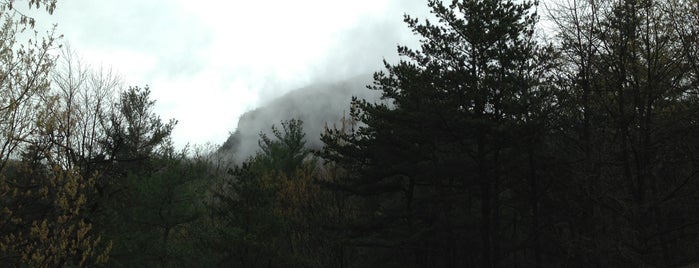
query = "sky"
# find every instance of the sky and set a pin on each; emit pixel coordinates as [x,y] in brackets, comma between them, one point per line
[207,62]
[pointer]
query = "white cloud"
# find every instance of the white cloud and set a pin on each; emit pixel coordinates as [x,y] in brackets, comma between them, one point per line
[209,61]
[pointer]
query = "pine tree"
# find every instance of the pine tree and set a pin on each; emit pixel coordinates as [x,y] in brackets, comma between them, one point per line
[435,158]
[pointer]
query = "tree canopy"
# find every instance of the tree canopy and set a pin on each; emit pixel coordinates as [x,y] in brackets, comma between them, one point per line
[494,145]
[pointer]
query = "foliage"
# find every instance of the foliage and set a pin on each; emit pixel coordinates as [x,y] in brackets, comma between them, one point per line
[287,151]
[157,216]
[434,162]
[43,222]
[630,93]
[489,148]
[271,211]
[42,202]
[24,69]
[136,131]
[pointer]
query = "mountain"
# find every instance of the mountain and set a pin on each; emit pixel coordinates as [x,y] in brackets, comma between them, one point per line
[317,105]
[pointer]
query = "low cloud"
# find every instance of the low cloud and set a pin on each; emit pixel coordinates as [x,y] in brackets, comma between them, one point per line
[207,62]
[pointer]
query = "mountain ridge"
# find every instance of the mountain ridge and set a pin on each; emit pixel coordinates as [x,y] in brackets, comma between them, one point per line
[317,105]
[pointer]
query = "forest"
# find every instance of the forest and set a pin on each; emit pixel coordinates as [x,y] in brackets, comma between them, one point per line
[499,141]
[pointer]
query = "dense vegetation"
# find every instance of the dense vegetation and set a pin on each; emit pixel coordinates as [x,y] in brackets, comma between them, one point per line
[490,148]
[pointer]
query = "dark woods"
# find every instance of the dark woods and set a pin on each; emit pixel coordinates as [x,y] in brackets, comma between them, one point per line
[491,147]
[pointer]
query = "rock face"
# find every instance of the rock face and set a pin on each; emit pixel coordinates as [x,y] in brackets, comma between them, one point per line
[317,105]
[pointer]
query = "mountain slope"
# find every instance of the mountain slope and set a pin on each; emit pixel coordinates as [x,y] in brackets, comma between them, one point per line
[317,105]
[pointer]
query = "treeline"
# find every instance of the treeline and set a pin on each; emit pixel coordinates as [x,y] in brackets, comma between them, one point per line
[493,146]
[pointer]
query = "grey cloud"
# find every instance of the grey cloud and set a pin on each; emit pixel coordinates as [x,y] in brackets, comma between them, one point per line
[179,43]
[359,50]
[317,105]
[344,73]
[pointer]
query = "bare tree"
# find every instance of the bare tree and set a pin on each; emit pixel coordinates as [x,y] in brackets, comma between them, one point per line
[630,79]
[24,75]
[84,98]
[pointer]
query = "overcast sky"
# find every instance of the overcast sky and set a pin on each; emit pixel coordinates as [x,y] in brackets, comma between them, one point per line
[207,62]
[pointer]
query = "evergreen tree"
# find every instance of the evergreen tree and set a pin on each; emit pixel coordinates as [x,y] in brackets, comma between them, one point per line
[254,229]
[436,159]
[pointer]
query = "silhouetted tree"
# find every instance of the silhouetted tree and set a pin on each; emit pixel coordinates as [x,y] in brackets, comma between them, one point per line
[437,157]
[270,213]
[629,76]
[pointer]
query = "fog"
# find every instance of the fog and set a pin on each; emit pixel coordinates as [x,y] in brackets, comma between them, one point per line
[330,83]
[317,105]
[208,62]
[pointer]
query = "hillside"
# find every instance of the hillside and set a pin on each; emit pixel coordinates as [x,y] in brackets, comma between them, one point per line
[317,105]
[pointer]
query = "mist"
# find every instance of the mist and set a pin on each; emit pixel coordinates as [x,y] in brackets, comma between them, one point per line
[322,94]
[220,60]
[317,105]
